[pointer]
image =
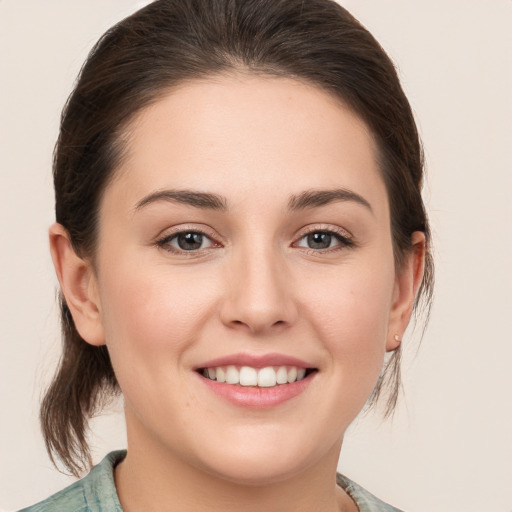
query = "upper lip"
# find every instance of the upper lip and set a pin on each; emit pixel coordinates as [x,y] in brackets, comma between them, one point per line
[255,361]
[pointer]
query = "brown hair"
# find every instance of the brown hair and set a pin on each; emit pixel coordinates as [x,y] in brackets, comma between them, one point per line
[171,41]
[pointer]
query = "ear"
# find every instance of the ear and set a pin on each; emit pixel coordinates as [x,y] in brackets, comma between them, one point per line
[407,283]
[79,286]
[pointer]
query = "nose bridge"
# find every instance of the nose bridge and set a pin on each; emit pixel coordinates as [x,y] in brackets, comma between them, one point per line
[260,296]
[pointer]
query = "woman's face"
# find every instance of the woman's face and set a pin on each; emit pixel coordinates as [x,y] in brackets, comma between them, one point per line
[246,236]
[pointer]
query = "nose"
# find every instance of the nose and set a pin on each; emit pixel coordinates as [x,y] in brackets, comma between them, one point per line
[259,297]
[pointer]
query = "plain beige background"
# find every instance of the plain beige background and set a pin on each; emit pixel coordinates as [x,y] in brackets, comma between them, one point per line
[449,447]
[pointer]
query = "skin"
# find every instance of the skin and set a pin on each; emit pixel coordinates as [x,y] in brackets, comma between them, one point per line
[255,287]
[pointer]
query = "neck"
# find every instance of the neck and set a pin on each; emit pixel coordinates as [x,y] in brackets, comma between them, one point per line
[150,479]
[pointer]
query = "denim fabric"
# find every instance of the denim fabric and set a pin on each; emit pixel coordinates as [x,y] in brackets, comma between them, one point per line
[94,493]
[365,501]
[97,493]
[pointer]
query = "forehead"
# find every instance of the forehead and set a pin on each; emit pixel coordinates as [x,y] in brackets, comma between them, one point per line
[244,134]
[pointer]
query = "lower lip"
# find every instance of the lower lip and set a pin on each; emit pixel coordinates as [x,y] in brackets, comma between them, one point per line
[256,397]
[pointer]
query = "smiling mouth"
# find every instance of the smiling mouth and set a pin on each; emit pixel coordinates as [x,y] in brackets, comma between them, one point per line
[267,377]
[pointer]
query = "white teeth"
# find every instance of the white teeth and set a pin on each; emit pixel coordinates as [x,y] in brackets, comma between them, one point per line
[220,375]
[282,375]
[266,377]
[292,374]
[247,376]
[232,375]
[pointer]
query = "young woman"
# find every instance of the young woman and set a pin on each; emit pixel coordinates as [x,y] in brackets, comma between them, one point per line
[240,240]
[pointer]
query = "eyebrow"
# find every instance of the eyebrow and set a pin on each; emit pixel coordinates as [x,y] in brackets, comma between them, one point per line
[203,200]
[315,198]
[209,201]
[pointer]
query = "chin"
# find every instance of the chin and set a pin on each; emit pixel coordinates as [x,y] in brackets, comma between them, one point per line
[258,462]
[252,473]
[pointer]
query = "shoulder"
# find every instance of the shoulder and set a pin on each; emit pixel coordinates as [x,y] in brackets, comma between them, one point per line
[94,493]
[365,501]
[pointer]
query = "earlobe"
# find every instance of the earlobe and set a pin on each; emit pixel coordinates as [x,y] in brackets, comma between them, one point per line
[78,284]
[407,284]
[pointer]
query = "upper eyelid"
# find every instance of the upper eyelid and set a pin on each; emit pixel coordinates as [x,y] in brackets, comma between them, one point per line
[209,232]
[343,240]
[326,229]
[172,232]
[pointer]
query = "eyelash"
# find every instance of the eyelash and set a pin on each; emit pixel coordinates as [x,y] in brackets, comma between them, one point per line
[344,241]
[165,242]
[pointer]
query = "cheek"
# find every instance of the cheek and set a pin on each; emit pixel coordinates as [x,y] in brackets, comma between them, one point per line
[152,311]
[353,302]
[151,319]
[351,311]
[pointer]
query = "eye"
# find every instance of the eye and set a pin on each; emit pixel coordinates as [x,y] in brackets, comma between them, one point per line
[187,241]
[321,240]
